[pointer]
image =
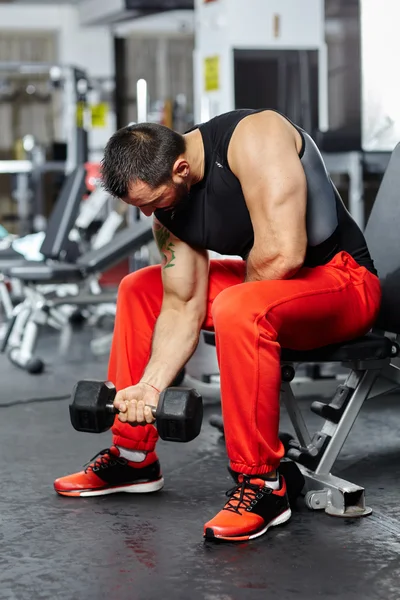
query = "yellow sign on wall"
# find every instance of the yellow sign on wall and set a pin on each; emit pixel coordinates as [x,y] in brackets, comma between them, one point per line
[212,74]
[94,116]
[100,114]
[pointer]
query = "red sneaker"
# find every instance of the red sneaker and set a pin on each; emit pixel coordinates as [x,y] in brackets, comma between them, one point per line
[109,473]
[251,510]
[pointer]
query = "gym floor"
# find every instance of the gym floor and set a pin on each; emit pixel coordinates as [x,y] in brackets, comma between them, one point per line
[126,547]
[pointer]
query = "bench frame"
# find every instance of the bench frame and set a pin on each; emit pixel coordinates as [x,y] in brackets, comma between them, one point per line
[322,490]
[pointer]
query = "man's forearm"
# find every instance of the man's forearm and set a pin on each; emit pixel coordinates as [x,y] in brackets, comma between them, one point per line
[175,339]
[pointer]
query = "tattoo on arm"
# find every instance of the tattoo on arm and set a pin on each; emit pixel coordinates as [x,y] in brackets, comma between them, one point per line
[165,246]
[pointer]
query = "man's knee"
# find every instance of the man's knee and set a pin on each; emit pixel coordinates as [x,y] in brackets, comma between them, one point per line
[231,305]
[247,303]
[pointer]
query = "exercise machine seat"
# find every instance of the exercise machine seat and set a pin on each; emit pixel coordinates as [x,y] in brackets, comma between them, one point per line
[10,254]
[369,347]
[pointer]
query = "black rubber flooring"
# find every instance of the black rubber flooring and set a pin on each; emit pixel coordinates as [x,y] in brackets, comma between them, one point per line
[150,547]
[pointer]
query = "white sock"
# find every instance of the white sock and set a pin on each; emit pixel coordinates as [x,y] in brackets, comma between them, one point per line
[132,455]
[273,483]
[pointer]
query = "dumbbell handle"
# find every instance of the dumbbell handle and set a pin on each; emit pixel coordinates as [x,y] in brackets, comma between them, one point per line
[111,408]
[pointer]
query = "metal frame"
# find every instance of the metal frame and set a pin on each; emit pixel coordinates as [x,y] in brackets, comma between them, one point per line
[322,490]
[24,194]
[29,172]
[5,298]
[40,309]
[69,75]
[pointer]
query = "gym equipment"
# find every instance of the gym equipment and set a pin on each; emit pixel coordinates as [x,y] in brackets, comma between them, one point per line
[63,216]
[38,306]
[179,414]
[371,362]
[56,244]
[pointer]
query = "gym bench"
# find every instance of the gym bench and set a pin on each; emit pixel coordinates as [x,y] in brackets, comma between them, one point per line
[370,359]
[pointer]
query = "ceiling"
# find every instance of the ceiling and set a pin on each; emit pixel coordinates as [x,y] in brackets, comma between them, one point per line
[133,4]
[39,1]
[333,8]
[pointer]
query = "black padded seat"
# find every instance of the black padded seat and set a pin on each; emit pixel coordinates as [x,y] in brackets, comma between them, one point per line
[369,347]
[46,273]
[124,243]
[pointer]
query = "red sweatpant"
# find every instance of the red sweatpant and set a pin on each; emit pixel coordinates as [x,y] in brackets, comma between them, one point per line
[328,304]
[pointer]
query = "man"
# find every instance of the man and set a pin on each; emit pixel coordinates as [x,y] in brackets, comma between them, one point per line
[250,184]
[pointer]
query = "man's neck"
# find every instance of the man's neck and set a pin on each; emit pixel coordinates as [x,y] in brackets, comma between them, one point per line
[195,156]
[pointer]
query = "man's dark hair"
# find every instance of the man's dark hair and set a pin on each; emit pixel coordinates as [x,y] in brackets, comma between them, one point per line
[145,152]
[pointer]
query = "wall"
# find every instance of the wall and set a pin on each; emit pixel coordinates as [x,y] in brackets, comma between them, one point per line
[89,48]
[299,26]
[380,83]
[75,43]
[225,25]
[212,41]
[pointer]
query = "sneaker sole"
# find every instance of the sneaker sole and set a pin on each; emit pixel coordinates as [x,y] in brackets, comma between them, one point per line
[280,520]
[136,488]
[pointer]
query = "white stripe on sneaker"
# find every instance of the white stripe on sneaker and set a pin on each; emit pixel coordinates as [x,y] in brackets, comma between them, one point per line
[282,518]
[138,488]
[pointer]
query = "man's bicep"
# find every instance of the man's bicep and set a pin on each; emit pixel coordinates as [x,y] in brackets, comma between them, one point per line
[184,269]
[274,186]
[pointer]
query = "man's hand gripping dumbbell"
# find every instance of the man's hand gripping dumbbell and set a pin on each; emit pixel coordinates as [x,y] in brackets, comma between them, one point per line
[177,412]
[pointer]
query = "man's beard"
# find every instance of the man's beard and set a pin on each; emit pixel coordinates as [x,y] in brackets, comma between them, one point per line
[182,193]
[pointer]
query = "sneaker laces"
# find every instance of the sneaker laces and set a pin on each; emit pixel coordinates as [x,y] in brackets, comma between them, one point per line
[103,460]
[245,495]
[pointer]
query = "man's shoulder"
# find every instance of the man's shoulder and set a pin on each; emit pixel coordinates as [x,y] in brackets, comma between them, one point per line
[266,124]
[232,116]
[223,118]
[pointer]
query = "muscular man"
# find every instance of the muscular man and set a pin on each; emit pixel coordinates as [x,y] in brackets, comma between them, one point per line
[250,184]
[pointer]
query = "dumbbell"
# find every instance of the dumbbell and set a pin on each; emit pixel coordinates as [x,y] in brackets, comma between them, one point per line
[179,413]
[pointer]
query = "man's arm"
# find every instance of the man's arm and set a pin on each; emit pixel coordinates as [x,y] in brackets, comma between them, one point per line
[263,154]
[185,281]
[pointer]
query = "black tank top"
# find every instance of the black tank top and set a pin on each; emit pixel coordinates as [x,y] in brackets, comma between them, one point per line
[215,215]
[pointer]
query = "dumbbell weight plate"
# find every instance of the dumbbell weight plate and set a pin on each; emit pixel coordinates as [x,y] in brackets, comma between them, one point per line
[181,421]
[179,414]
[89,410]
